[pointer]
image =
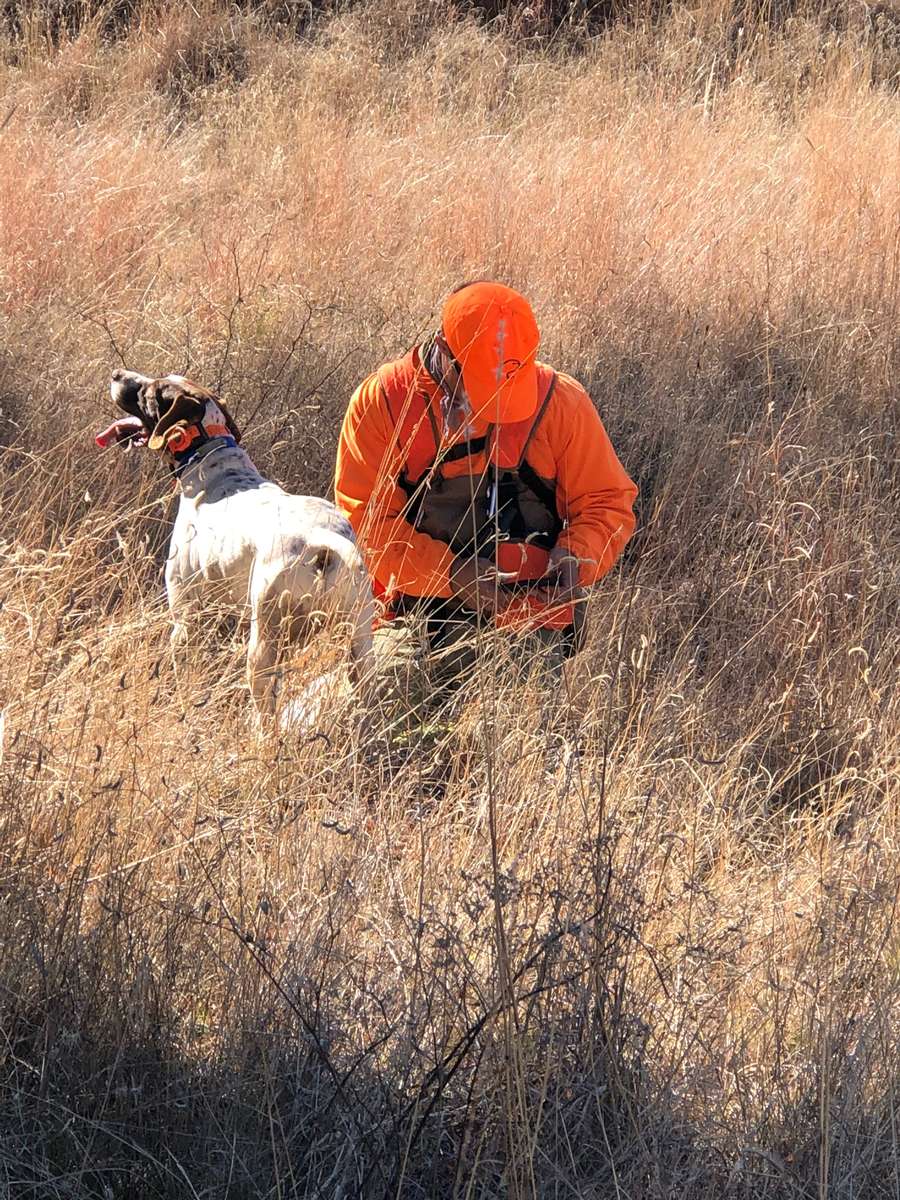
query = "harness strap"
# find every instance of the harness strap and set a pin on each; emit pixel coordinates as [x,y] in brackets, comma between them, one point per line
[464,449]
[544,493]
[537,420]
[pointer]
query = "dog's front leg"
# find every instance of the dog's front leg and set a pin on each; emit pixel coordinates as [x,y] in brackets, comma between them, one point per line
[182,609]
[178,641]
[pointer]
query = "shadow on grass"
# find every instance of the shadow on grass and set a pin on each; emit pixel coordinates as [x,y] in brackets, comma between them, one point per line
[287,1108]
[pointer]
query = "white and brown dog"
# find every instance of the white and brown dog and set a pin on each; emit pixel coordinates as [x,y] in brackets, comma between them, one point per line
[289,562]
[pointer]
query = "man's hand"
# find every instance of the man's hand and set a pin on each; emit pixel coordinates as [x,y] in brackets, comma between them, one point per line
[474,583]
[561,584]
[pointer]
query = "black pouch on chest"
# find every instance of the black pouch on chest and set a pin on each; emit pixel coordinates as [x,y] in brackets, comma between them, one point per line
[504,513]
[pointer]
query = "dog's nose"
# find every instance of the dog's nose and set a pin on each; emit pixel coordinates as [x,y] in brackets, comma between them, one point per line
[117,375]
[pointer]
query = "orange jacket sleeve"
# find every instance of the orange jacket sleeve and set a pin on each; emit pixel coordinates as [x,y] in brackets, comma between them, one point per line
[594,494]
[368,465]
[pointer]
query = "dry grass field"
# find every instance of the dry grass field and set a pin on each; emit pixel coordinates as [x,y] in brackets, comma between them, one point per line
[642,943]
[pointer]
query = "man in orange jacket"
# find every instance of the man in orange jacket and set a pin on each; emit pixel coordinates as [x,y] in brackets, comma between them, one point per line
[481,483]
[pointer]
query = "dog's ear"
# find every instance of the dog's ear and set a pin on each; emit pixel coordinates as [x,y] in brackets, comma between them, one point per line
[175,403]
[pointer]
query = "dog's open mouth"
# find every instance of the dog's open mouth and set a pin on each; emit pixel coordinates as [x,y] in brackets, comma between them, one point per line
[130,430]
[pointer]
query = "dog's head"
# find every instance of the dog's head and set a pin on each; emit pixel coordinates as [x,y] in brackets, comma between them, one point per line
[166,408]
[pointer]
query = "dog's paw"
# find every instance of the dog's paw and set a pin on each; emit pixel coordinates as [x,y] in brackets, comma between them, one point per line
[315,706]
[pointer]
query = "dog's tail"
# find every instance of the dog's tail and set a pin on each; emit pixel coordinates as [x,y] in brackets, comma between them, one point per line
[329,570]
[332,555]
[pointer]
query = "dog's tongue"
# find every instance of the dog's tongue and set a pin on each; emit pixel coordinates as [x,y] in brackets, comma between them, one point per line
[122,428]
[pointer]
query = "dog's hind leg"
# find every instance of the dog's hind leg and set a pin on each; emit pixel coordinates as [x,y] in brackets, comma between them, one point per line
[351,597]
[345,592]
[362,654]
[262,666]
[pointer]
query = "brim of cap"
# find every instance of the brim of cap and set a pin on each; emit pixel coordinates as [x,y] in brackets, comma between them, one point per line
[515,400]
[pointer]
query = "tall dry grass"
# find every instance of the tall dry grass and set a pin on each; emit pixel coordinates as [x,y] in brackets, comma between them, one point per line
[641,945]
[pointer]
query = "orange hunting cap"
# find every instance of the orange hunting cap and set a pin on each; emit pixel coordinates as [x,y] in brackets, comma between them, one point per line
[494,337]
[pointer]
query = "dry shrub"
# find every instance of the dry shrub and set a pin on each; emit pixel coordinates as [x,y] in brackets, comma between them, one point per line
[637,941]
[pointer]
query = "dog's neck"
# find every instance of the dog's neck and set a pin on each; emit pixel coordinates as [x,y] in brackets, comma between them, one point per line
[218,469]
